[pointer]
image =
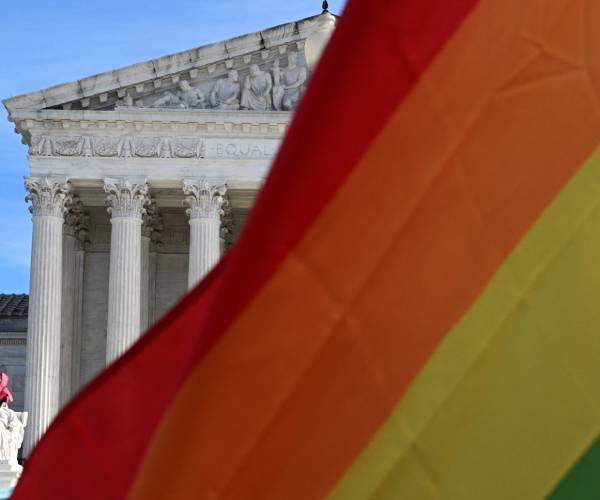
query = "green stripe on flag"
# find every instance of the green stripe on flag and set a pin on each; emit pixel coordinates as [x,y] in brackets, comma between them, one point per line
[582,482]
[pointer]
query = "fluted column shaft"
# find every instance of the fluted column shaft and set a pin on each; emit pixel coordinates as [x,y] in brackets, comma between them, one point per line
[68,305]
[205,201]
[77,321]
[48,198]
[151,230]
[127,201]
[145,282]
[123,286]
[74,236]
[152,287]
[205,247]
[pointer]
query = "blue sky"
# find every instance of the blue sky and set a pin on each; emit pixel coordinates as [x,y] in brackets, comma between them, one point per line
[44,43]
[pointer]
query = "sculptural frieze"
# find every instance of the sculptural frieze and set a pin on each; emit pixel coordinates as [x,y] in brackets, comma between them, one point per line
[188,148]
[226,92]
[147,147]
[256,94]
[278,90]
[288,83]
[113,147]
[269,86]
[185,98]
[68,147]
[107,146]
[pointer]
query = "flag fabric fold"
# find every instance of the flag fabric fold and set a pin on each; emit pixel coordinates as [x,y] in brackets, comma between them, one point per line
[410,311]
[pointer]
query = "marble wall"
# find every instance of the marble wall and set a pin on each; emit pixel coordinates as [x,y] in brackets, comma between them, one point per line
[171,281]
[95,307]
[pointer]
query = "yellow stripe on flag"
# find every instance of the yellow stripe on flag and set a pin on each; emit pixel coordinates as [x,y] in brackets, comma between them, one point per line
[509,401]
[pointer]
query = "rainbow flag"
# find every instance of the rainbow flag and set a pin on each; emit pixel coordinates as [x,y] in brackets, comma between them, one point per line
[413,309]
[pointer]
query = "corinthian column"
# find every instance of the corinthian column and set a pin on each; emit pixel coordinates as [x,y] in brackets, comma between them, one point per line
[205,202]
[126,200]
[48,198]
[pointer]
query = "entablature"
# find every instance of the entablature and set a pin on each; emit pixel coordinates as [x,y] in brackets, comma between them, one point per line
[147,133]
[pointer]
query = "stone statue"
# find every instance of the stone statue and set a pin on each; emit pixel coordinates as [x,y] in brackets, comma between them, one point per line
[12,429]
[226,92]
[186,97]
[126,102]
[289,83]
[256,94]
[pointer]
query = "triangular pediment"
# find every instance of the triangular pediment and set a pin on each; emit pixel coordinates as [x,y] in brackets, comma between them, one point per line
[184,80]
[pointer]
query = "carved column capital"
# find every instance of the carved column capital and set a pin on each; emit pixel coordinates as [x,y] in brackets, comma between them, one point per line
[82,232]
[152,223]
[227,227]
[77,222]
[48,195]
[205,200]
[73,216]
[126,198]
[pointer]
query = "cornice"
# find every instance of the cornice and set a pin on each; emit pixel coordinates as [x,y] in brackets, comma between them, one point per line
[172,124]
[154,115]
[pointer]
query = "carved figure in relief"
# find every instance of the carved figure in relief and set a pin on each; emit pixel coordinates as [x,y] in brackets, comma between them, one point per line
[12,425]
[226,92]
[278,89]
[256,94]
[186,97]
[128,100]
[291,80]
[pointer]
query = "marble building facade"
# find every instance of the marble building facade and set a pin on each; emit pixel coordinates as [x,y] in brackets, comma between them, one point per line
[13,339]
[140,179]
